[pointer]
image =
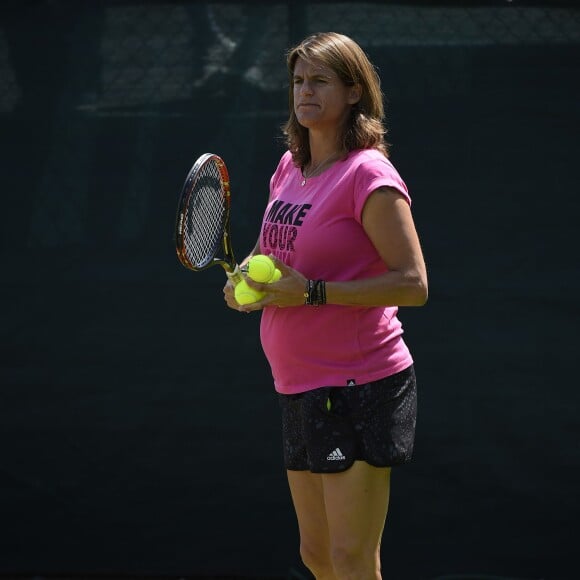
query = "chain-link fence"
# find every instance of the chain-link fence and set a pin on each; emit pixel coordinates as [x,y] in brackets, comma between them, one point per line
[77,79]
[158,54]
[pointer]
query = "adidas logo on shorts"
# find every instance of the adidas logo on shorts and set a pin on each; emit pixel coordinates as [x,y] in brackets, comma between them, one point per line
[336,455]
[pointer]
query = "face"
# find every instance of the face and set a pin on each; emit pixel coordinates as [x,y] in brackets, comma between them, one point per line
[321,99]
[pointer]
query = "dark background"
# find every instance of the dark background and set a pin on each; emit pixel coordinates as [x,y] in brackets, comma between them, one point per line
[139,432]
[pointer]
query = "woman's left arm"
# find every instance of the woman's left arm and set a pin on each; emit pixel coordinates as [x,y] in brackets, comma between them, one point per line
[389,224]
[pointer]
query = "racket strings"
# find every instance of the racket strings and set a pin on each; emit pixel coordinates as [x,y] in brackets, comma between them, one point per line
[205,215]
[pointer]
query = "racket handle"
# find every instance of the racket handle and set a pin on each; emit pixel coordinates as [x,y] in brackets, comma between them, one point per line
[235,276]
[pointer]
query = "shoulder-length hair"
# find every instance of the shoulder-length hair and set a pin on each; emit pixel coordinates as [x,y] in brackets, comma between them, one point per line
[364,128]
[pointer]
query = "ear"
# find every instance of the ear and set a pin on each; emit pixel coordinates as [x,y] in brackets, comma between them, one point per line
[354,94]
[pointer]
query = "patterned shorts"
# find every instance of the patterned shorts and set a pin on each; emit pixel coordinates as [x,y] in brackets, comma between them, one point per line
[325,430]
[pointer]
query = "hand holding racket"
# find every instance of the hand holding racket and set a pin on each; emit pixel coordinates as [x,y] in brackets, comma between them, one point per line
[202,228]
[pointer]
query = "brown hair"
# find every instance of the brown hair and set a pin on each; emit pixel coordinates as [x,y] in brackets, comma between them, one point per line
[364,128]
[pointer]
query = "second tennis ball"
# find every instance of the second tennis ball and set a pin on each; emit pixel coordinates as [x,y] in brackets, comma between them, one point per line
[246,295]
[261,268]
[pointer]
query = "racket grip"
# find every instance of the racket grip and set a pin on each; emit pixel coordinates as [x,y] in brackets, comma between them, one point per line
[235,276]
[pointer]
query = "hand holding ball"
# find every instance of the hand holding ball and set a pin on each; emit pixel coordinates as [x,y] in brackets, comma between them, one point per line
[246,295]
[260,269]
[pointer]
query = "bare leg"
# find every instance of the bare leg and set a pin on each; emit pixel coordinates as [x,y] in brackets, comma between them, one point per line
[357,501]
[308,498]
[341,517]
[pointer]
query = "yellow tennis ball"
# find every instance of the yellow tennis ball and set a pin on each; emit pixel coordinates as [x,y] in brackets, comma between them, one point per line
[277,275]
[246,295]
[261,268]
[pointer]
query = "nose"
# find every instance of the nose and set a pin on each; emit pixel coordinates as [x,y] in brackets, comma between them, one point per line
[306,88]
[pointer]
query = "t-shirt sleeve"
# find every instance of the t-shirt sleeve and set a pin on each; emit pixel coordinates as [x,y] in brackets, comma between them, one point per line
[284,162]
[372,174]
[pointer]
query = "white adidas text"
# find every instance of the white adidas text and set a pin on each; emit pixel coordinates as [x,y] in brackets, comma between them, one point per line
[336,455]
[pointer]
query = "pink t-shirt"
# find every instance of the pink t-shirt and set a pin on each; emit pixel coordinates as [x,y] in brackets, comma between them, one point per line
[317,229]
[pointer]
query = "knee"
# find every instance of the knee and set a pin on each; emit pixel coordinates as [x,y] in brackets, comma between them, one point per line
[316,560]
[350,563]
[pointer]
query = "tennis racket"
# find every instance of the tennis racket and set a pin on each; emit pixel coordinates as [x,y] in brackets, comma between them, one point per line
[202,226]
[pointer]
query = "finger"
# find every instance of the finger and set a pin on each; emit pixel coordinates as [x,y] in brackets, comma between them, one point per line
[261,287]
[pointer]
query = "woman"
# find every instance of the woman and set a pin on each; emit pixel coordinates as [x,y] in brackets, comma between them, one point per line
[339,227]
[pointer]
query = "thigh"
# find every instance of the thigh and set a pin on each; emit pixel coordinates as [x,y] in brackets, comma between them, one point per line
[356,504]
[308,498]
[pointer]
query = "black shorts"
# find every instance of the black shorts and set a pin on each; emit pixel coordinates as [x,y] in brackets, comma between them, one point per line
[327,429]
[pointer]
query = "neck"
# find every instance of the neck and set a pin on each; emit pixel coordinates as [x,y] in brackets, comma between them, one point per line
[322,146]
[314,168]
[322,159]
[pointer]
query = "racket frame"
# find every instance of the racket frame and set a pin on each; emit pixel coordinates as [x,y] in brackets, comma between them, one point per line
[228,261]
